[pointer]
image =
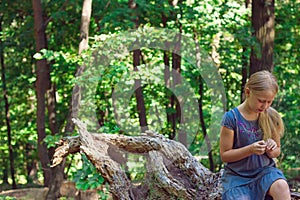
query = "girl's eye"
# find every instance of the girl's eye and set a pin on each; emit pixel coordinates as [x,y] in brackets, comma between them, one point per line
[264,101]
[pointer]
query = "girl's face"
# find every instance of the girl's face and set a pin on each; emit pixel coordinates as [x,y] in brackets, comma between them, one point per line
[259,101]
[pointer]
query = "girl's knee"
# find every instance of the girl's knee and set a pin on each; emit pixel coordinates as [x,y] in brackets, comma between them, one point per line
[280,185]
[280,189]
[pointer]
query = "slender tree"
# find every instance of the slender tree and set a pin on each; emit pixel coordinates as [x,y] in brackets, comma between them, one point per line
[42,84]
[263,18]
[167,80]
[200,105]
[51,107]
[176,67]
[83,45]
[173,78]
[58,171]
[7,114]
[138,87]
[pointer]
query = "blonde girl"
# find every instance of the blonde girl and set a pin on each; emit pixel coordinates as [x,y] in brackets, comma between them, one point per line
[249,140]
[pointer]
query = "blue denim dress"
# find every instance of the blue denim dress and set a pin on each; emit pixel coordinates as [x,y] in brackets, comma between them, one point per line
[251,177]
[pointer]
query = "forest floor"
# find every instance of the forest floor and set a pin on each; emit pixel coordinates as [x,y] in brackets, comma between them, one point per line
[38,192]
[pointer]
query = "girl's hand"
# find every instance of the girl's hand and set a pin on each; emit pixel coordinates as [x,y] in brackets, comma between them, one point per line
[271,145]
[259,147]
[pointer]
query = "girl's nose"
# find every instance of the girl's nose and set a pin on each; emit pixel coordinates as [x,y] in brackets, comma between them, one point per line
[264,105]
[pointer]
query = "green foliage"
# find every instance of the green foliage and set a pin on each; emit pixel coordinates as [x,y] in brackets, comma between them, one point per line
[6,198]
[109,127]
[51,140]
[87,177]
[287,68]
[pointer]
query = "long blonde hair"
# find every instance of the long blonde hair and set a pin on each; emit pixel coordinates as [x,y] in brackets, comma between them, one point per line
[270,121]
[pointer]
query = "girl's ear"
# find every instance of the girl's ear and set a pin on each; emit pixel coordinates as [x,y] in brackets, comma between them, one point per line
[247,92]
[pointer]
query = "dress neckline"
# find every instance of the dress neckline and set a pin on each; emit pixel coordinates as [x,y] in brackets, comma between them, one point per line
[240,114]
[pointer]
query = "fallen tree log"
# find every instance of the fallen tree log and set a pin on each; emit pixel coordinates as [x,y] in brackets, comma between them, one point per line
[172,172]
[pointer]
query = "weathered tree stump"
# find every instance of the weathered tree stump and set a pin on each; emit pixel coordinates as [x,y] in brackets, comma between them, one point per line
[172,172]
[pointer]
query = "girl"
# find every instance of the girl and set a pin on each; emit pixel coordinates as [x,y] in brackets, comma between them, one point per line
[249,140]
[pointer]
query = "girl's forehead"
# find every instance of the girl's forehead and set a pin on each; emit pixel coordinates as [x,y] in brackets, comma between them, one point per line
[266,95]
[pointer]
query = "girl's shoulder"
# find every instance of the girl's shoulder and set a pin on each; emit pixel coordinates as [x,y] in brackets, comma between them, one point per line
[230,118]
[232,114]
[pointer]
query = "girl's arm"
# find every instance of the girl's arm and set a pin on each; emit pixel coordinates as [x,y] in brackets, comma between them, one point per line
[274,153]
[228,154]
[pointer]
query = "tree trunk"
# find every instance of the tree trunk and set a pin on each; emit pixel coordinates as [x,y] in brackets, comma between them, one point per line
[42,83]
[7,115]
[58,171]
[139,93]
[83,45]
[200,104]
[175,102]
[51,104]
[141,109]
[203,126]
[263,19]
[245,65]
[167,81]
[85,24]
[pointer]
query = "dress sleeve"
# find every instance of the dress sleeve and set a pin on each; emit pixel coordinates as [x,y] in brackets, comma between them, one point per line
[228,120]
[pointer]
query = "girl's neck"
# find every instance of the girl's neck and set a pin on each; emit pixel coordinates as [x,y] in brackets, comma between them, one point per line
[247,113]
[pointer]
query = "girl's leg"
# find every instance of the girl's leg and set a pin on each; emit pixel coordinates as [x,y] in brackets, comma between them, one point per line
[280,190]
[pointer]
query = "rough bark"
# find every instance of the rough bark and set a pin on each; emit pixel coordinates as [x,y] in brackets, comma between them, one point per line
[172,172]
[263,20]
[42,83]
[51,107]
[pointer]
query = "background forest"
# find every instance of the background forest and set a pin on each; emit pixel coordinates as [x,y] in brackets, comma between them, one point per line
[45,44]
